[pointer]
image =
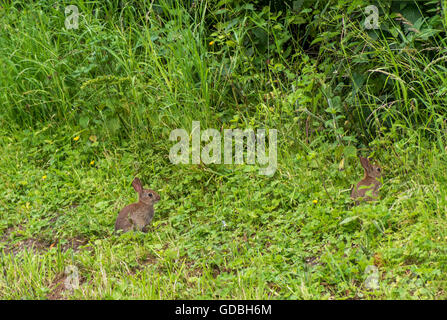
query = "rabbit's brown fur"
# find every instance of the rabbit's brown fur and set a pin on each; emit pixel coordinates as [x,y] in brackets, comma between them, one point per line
[368,188]
[137,216]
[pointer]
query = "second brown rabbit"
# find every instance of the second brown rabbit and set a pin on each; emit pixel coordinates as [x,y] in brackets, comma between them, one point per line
[368,188]
[137,216]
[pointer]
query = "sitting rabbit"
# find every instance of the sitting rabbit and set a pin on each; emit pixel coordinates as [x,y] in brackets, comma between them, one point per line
[137,216]
[368,188]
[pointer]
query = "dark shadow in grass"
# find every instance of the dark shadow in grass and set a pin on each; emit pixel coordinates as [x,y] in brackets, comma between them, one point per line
[39,245]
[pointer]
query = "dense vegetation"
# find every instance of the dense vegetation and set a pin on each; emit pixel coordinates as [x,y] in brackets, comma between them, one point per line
[85,110]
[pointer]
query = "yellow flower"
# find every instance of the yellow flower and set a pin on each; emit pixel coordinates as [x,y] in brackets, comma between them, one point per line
[211,43]
[315,201]
[76,138]
[44,177]
[92,162]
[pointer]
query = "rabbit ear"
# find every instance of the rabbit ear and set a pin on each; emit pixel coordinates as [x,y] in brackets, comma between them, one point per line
[365,163]
[136,184]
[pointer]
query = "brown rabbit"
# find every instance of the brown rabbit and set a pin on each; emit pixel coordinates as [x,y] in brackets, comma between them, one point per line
[368,188]
[137,216]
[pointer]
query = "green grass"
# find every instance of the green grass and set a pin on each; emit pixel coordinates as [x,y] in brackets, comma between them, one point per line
[276,242]
[85,111]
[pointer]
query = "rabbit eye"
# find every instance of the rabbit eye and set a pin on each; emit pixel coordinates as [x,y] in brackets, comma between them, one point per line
[378,169]
[150,194]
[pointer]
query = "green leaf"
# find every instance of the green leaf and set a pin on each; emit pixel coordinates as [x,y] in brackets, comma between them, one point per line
[349,219]
[101,204]
[83,121]
[350,151]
